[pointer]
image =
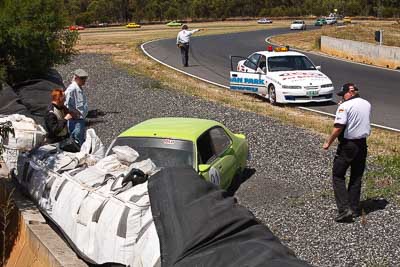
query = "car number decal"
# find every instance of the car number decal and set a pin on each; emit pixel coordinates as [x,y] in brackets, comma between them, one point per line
[214,176]
[169,142]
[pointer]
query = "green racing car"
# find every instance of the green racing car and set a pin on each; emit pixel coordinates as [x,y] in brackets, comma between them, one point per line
[209,147]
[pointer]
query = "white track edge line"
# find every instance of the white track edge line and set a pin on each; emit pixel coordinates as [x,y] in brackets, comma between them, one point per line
[227,87]
[181,71]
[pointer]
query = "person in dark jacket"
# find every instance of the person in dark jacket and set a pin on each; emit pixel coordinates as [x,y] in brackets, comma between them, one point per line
[56,117]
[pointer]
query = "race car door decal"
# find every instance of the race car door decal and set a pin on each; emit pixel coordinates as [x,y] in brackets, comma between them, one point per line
[246,82]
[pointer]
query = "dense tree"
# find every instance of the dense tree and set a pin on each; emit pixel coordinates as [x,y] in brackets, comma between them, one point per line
[93,11]
[32,38]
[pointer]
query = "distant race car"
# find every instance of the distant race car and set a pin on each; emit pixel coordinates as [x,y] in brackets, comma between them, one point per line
[281,76]
[298,25]
[173,23]
[346,20]
[209,147]
[264,21]
[320,22]
[132,25]
[331,20]
[76,28]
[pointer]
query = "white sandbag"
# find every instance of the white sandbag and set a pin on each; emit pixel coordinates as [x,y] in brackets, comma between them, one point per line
[147,248]
[147,166]
[10,157]
[96,174]
[93,147]
[125,154]
[27,134]
[66,204]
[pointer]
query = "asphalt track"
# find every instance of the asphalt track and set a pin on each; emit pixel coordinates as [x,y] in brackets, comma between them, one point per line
[209,60]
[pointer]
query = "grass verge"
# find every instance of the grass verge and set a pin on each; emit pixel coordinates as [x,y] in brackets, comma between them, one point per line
[124,47]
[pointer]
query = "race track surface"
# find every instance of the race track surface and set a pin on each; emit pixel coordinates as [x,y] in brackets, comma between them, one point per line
[209,60]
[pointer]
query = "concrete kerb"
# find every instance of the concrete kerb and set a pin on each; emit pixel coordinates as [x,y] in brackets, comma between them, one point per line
[36,242]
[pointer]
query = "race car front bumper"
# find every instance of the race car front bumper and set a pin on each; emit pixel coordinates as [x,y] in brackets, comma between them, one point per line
[304,96]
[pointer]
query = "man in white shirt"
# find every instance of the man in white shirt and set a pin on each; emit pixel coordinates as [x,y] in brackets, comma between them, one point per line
[352,127]
[182,41]
[76,102]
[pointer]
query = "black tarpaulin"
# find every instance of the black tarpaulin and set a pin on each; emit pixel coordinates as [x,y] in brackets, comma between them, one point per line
[35,95]
[10,103]
[198,225]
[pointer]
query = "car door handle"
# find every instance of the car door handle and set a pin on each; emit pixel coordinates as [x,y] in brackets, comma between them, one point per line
[234,75]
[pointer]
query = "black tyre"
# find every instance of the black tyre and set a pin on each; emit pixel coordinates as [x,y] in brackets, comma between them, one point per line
[272,94]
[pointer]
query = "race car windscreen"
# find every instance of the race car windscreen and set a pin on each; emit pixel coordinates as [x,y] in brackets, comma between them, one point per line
[289,63]
[163,152]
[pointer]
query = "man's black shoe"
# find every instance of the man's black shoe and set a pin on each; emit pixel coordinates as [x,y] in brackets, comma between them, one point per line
[345,216]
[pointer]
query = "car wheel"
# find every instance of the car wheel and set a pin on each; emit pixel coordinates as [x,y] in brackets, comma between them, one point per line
[272,94]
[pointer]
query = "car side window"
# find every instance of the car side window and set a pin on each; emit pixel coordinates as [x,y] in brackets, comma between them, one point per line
[220,140]
[204,148]
[262,64]
[211,144]
[251,62]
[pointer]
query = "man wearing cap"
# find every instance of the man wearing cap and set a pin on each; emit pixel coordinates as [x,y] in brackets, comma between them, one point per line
[351,127]
[76,101]
[182,41]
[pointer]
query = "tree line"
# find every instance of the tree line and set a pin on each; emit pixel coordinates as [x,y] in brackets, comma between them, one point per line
[99,11]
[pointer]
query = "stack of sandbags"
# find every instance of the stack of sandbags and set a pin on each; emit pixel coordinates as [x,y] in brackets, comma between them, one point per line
[104,219]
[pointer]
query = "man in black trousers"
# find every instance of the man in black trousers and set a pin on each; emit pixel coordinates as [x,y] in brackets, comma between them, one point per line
[182,41]
[351,127]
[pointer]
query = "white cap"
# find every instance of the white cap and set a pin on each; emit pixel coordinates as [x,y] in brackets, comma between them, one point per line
[81,73]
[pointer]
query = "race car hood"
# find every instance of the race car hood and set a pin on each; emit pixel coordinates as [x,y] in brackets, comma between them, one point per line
[302,78]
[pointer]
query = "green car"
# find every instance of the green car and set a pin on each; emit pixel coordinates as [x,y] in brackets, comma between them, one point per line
[209,147]
[320,22]
[173,23]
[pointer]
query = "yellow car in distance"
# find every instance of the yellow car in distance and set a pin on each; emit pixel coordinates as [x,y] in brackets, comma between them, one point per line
[346,20]
[132,25]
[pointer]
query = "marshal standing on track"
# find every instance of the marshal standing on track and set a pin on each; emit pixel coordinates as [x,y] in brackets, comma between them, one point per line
[182,41]
[352,127]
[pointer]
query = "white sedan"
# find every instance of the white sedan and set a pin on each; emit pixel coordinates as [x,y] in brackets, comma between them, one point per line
[298,25]
[264,21]
[281,76]
[331,20]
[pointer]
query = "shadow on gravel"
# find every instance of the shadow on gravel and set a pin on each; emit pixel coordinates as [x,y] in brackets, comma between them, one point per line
[371,205]
[311,104]
[94,116]
[247,173]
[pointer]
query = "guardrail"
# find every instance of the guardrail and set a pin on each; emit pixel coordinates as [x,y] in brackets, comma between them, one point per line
[379,55]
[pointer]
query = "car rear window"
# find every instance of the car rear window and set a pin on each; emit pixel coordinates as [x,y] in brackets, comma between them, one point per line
[163,152]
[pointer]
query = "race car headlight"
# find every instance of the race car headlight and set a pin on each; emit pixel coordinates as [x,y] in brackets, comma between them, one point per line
[291,87]
[326,85]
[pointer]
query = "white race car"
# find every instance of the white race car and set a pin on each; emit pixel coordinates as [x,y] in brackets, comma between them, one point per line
[298,25]
[281,76]
[264,21]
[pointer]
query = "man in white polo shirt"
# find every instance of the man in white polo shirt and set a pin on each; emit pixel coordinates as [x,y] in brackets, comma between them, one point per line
[352,127]
[182,41]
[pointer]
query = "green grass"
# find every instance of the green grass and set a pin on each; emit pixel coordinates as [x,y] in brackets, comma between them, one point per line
[384,181]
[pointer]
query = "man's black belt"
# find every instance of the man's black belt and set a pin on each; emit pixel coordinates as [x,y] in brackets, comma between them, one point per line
[358,141]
